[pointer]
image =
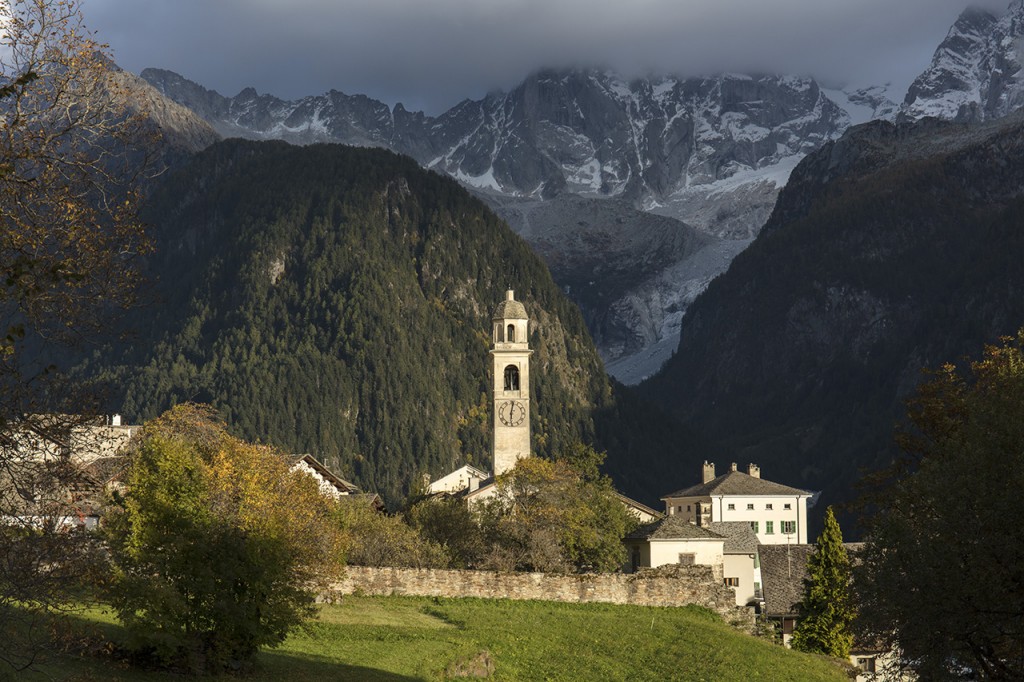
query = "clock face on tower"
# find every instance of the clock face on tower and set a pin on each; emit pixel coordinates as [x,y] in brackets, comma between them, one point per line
[512,412]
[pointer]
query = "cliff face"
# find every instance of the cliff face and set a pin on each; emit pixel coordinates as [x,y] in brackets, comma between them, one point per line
[892,249]
[975,73]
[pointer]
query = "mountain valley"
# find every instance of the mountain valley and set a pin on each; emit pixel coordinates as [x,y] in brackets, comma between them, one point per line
[638,196]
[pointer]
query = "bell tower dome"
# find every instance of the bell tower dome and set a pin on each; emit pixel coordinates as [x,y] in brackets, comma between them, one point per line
[511,377]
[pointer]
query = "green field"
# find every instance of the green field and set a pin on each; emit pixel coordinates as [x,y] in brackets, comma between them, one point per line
[389,639]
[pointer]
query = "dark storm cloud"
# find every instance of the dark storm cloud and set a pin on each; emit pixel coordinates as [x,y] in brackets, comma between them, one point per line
[429,54]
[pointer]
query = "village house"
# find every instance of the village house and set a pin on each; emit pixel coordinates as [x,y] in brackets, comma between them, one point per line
[736,514]
[741,567]
[73,466]
[777,513]
[730,549]
[783,572]
[672,540]
[60,469]
[330,483]
[466,477]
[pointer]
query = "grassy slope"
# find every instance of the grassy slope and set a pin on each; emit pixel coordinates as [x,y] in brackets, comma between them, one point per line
[406,638]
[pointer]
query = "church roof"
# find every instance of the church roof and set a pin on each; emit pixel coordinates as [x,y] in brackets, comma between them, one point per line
[737,483]
[510,308]
[673,527]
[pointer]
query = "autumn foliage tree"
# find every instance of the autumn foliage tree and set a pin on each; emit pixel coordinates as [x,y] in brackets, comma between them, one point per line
[942,578]
[219,548]
[69,237]
[556,516]
[68,166]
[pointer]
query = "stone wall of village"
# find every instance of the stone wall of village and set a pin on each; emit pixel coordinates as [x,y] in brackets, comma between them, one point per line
[663,586]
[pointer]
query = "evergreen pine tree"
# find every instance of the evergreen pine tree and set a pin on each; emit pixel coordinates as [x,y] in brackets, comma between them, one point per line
[826,612]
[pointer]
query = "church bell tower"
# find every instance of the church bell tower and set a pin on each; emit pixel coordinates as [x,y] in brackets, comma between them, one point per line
[511,354]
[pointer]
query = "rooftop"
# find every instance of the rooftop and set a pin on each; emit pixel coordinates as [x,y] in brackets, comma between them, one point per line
[740,538]
[639,506]
[737,483]
[673,528]
[510,308]
[783,570]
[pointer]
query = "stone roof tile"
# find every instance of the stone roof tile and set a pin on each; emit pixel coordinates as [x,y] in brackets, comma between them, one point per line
[737,483]
[740,538]
[673,528]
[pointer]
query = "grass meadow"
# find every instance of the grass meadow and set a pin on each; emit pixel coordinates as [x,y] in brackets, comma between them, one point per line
[394,639]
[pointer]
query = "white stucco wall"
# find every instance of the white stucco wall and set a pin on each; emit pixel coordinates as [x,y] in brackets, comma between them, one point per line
[742,566]
[708,552]
[741,511]
[460,479]
[327,488]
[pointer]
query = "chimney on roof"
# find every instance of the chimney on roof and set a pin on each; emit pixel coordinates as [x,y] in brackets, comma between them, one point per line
[754,470]
[732,467]
[708,472]
[115,420]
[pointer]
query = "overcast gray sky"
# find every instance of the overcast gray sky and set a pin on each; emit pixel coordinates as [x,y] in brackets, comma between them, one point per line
[430,54]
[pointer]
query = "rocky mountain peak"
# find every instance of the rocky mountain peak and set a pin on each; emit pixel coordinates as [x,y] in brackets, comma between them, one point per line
[710,152]
[975,73]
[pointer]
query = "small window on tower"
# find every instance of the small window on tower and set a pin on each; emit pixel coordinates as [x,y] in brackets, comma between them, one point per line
[511,378]
[511,335]
[497,334]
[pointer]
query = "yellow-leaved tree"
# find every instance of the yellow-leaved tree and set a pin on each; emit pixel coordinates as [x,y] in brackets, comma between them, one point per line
[218,547]
[71,148]
[555,516]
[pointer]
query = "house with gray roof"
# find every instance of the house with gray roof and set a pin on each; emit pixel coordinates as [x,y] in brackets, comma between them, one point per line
[673,540]
[783,572]
[741,565]
[776,513]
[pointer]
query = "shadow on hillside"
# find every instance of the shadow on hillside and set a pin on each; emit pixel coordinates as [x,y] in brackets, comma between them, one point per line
[279,665]
[89,639]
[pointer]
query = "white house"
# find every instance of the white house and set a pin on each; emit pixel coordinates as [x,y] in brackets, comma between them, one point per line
[466,477]
[331,484]
[777,513]
[741,560]
[641,512]
[674,540]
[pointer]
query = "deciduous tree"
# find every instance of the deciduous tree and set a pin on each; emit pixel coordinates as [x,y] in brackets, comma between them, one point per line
[68,240]
[942,578]
[556,516]
[219,548]
[451,524]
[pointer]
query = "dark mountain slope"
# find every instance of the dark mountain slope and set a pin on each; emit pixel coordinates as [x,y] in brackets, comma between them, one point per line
[892,249]
[337,301]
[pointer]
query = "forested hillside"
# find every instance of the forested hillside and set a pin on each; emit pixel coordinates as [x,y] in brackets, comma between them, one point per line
[892,249]
[337,301]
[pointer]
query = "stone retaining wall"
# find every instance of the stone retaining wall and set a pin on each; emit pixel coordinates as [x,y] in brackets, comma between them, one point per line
[663,586]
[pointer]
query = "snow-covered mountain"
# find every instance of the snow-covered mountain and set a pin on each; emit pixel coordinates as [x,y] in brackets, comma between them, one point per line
[708,153]
[975,73]
[583,131]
